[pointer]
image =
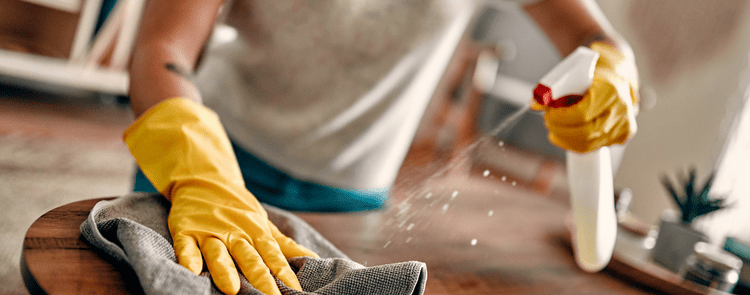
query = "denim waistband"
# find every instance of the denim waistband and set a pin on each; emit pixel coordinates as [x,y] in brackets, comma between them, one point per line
[276,188]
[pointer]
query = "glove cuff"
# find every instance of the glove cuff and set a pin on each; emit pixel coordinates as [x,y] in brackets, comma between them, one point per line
[179,140]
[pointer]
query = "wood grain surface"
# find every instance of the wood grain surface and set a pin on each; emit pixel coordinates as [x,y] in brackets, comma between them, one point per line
[57,260]
[519,248]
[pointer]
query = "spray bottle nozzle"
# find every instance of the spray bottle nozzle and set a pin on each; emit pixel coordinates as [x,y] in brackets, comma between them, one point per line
[566,83]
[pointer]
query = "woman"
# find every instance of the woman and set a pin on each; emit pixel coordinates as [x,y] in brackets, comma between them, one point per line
[321,100]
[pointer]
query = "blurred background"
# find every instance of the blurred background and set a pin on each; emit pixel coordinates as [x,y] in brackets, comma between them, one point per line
[63,106]
[693,61]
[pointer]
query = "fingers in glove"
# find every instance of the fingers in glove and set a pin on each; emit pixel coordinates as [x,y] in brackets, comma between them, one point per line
[621,132]
[579,138]
[253,267]
[607,130]
[289,247]
[571,143]
[188,254]
[535,106]
[220,265]
[275,260]
[594,104]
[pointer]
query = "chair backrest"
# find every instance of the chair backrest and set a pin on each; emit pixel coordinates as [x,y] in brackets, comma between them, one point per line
[117,33]
[64,5]
[83,69]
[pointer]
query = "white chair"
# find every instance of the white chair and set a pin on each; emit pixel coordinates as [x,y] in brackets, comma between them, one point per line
[82,70]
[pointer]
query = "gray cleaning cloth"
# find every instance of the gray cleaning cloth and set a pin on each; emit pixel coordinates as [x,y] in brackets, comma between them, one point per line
[133,230]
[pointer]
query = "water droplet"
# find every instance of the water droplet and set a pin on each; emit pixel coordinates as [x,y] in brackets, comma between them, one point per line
[473,242]
[428,195]
[490,213]
[486,173]
[445,208]
[408,239]
[503,178]
[404,208]
[501,143]
[410,226]
[454,195]
[513,183]
[386,244]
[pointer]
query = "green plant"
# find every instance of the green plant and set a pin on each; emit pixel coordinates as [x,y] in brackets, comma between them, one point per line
[693,203]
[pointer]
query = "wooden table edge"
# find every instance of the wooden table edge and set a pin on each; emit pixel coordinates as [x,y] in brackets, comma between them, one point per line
[31,282]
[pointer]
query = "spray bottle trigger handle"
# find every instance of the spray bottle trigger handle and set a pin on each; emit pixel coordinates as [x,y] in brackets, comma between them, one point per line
[543,96]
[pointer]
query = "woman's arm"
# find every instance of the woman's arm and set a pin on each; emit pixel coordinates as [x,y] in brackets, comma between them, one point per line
[606,115]
[573,23]
[172,34]
[184,151]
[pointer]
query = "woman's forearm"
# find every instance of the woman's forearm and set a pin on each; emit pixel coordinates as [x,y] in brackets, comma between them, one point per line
[572,23]
[169,43]
[153,78]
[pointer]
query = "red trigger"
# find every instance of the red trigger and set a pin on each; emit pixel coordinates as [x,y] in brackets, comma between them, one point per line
[543,96]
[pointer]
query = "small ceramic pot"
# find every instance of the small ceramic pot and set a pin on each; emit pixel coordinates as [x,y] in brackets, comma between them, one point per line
[675,241]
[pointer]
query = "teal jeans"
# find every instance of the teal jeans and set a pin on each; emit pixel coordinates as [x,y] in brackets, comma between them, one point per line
[276,188]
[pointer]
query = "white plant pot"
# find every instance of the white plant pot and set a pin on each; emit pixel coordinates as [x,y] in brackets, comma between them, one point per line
[675,241]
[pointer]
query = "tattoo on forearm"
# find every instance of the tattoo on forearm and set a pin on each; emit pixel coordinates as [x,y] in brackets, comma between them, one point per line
[180,71]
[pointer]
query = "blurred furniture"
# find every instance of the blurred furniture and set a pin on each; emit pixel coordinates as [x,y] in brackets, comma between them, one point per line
[517,55]
[632,260]
[85,61]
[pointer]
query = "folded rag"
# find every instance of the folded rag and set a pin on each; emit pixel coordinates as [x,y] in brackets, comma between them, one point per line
[132,229]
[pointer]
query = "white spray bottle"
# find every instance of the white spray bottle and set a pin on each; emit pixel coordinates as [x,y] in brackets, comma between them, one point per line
[589,174]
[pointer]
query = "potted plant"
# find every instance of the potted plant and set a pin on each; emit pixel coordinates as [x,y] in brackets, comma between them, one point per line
[677,236]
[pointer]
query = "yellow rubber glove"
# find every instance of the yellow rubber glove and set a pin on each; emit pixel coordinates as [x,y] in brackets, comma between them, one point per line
[605,115]
[183,149]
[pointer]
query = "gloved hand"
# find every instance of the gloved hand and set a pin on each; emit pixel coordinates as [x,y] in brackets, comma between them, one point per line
[183,149]
[605,115]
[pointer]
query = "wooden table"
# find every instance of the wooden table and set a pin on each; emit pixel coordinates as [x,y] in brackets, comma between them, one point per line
[491,238]
[57,260]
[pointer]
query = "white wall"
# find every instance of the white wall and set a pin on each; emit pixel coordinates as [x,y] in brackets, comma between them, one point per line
[693,109]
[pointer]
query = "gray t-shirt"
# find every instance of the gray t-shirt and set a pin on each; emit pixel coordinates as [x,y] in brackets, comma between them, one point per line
[331,91]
